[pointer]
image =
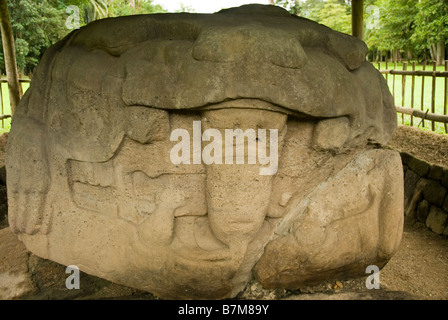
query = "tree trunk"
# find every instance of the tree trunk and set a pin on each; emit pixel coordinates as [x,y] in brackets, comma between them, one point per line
[433,52]
[15,90]
[395,55]
[358,19]
[440,52]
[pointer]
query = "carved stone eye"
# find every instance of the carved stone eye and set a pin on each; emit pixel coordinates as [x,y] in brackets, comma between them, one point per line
[331,134]
[147,125]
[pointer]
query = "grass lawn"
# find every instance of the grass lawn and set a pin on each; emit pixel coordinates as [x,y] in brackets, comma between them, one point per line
[5,107]
[396,90]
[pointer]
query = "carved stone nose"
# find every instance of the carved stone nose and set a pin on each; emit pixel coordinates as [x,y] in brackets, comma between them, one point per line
[237,194]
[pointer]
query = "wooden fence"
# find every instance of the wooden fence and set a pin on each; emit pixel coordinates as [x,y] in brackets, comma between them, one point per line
[3,114]
[406,104]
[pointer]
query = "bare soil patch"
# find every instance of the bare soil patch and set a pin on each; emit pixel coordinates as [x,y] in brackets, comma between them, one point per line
[424,145]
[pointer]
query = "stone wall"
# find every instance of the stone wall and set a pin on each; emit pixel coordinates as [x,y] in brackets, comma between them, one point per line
[426,193]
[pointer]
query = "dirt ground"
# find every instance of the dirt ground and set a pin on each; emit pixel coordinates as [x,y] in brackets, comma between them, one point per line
[420,266]
[419,270]
[425,145]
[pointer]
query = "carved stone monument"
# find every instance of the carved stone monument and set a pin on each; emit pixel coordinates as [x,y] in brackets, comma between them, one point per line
[114,156]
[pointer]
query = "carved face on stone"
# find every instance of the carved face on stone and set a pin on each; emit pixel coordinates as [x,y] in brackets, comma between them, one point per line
[91,176]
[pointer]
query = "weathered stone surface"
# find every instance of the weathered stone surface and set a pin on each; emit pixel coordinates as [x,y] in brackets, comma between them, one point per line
[405,157]
[319,240]
[417,196]
[419,166]
[436,220]
[445,178]
[434,192]
[410,182]
[436,172]
[423,211]
[91,176]
[445,204]
[331,134]
[3,207]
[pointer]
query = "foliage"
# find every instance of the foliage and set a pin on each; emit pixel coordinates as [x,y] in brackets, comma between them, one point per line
[332,13]
[407,26]
[38,24]
[185,8]
[431,22]
[126,7]
[411,26]
[396,25]
[294,7]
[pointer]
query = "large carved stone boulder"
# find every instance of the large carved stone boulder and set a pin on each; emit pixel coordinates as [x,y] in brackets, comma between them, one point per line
[114,156]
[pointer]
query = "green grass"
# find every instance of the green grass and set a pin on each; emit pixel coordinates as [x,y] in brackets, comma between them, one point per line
[397,93]
[5,107]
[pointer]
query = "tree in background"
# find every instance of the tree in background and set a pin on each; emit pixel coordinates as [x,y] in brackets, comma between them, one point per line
[431,28]
[409,29]
[36,25]
[395,27]
[118,8]
[294,7]
[332,13]
[100,9]
[336,15]
[185,8]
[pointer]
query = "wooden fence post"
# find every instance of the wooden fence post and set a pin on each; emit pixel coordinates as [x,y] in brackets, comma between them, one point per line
[423,93]
[433,95]
[445,111]
[403,88]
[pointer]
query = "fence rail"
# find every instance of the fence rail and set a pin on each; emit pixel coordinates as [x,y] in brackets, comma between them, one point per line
[413,103]
[423,115]
[429,73]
